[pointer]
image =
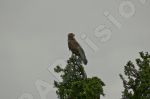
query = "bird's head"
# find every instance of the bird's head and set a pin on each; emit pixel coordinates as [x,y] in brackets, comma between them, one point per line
[71,35]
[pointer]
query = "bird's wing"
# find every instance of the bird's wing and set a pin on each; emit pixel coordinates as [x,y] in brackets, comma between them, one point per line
[82,54]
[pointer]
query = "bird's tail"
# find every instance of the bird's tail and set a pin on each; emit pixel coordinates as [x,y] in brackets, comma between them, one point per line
[82,55]
[85,61]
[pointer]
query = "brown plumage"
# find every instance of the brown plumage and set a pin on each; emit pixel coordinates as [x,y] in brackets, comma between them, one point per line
[76,49]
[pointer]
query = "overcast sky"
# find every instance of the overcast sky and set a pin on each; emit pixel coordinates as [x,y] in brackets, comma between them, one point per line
[33,37]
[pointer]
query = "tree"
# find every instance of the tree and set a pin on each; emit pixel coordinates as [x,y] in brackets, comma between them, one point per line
[75,84]
[138,84]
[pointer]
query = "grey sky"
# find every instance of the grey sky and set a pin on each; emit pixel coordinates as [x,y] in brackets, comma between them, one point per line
[33,34]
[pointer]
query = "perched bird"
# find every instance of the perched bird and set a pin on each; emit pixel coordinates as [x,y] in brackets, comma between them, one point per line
[76,49]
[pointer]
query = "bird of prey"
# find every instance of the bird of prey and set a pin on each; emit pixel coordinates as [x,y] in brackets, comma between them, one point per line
[75,47]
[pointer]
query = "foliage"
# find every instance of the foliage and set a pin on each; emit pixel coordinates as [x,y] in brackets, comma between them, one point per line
[138,84]
[75,84]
